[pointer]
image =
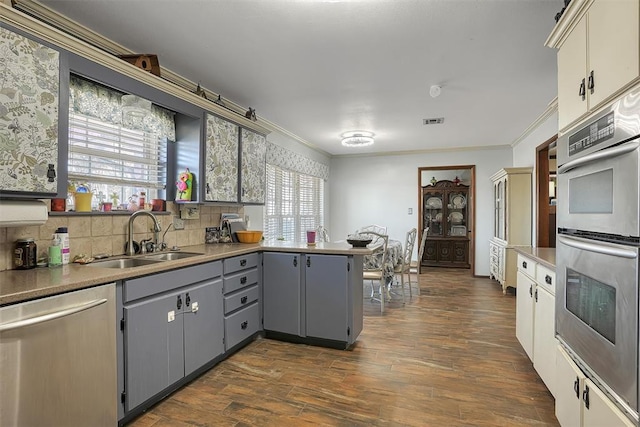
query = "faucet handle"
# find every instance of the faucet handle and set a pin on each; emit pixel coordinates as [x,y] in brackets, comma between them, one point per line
[143,245]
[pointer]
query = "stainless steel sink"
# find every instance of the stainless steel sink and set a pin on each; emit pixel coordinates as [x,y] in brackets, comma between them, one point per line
[169,256]
[123,263]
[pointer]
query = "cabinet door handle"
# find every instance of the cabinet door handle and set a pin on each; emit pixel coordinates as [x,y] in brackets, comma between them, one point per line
[295,261]
[244,325]
[308,261]
[576,387]
[243,300]
[582,92]
[51,172]
[187,300]
[208,189]
[547,279]
[536,294]
[179,303]
[524,264]
[530,290]
[585,396]
[243,280]
[243,262]
[591,84]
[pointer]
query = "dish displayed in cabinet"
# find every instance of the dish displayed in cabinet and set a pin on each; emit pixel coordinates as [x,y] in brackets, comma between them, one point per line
[434,203]
[459,201]
[456,217]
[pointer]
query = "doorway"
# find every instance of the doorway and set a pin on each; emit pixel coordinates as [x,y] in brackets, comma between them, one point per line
[546,183]
[451,237]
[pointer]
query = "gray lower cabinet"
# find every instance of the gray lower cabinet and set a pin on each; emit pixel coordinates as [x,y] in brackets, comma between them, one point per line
[241,298]
[313,296]
[172,325]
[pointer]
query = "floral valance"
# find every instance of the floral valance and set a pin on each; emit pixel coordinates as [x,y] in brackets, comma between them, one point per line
[95,100]
[287,159]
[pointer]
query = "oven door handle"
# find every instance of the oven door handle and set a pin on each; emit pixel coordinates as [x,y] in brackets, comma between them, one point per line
[607,153]
[594,247]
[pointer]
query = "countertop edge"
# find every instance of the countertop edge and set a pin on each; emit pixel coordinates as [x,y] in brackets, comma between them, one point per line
[23,285]
[544,256]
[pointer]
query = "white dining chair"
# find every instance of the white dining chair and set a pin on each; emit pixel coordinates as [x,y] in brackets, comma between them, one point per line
[376,273]
[322,235]
[405,263]
[415,265]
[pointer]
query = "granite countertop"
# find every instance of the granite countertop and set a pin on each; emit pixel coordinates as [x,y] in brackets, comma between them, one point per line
[545,256]
[22,285]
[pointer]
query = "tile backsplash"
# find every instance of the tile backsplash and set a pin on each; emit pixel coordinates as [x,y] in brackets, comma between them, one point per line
[107,234]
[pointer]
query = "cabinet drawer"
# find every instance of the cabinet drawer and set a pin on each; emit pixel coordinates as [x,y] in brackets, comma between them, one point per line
[527,266]
[493,249]
[546,278]
[242,298]
[162,282]
[240,280]
[241,325]
[231,265]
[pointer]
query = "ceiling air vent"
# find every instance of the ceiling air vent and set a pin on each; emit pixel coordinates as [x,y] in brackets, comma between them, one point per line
[437,121]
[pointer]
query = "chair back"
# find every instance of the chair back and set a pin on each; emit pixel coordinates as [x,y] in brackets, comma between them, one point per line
[378,259]
[423,241]
[322,235]
[409,243]
[372,228]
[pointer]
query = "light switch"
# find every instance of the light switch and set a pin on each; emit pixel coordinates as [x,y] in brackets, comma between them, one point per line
[410,211]
[171,316]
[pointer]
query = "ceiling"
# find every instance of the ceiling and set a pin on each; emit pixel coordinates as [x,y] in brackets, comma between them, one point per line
[320,68]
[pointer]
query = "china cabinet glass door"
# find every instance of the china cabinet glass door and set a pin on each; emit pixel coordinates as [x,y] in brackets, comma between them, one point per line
[433,213]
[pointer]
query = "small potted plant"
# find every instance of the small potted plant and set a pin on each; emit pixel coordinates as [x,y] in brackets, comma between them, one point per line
[114,199]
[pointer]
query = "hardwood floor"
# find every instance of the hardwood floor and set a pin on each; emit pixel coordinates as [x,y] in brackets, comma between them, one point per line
[447,358]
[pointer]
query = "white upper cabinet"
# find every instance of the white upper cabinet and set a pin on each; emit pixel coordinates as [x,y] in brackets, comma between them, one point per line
[29,96]
[598,56]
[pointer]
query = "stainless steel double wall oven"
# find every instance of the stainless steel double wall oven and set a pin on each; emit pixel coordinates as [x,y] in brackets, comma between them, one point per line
[598,246]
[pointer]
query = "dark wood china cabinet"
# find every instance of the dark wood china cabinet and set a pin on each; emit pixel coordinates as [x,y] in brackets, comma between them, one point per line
[445,211]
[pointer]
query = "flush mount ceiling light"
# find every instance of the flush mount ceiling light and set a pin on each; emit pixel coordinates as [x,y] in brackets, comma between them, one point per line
[435,91]
[134,107]
[357,138]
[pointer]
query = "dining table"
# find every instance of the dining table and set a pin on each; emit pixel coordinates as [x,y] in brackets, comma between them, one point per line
[394,259]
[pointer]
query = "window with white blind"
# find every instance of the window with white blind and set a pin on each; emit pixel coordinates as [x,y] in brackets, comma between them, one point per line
[294,204]
[112,155]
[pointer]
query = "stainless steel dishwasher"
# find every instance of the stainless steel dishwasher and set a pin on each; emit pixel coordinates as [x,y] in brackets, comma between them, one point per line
[58,360]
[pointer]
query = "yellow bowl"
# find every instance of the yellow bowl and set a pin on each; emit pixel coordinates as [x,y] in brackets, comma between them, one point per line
[249,236]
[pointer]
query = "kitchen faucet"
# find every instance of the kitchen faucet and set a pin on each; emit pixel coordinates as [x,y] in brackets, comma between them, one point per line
[156,229]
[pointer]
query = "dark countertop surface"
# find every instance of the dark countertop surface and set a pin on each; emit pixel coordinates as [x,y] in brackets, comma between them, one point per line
[23,285]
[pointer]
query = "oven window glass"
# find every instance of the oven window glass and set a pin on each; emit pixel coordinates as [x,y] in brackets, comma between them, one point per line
[593,302]
[592,193]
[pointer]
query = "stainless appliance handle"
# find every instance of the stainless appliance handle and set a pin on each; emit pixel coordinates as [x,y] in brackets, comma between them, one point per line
[594,247]
[51,316]
[600,155]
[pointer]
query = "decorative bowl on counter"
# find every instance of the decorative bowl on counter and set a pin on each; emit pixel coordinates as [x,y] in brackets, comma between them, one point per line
[249,236]
[359,241]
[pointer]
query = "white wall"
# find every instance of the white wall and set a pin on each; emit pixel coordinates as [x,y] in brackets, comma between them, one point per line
[380,189]
[524,154]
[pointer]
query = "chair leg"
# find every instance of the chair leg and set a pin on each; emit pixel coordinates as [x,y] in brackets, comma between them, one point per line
[409,282]
[382,296]
[402,284]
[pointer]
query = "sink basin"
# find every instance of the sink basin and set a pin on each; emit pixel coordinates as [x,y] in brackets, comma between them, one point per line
[123,263]
[169,256]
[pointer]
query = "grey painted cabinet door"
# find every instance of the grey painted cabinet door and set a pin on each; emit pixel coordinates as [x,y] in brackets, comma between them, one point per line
[203,325]
[154,350]
[281,292]
[327,299]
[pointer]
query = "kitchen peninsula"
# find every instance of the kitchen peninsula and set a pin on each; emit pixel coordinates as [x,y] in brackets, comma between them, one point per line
[178,318]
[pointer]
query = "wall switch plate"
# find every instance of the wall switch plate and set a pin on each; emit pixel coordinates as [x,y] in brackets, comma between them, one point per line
[178,224]
[171,316]
[410,211]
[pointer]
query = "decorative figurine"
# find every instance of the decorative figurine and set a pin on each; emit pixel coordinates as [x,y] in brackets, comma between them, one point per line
[184,183]
[251,114]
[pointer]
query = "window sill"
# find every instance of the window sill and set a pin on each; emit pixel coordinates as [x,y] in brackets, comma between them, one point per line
[100,213]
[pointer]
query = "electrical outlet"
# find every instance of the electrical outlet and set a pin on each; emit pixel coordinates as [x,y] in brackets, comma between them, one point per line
[178,224]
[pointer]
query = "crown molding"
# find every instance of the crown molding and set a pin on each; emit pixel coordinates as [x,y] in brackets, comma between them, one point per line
[425,151]
[552,108]
[568,21]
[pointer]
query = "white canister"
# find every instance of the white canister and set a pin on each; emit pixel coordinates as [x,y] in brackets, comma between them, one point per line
[63,235]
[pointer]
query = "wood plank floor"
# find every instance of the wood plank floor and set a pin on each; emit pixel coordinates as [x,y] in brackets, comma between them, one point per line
[447,358]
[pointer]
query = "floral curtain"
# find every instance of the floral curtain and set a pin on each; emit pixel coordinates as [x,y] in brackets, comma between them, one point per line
[289,160]
[97,101]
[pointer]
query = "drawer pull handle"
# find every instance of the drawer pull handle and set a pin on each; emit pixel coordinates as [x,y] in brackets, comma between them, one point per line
[243,300]
[244,325]
[524,264]
[179,303]
[547,279]
[243,262]
[243,280]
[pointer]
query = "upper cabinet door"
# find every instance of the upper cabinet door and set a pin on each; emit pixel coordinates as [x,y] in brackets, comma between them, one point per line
[254,157]
[221,161]
[29,96]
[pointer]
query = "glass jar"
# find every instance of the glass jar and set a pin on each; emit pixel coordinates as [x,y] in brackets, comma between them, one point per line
[25,254]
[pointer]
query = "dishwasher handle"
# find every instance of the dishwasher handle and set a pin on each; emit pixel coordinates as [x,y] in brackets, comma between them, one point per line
[51,316]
